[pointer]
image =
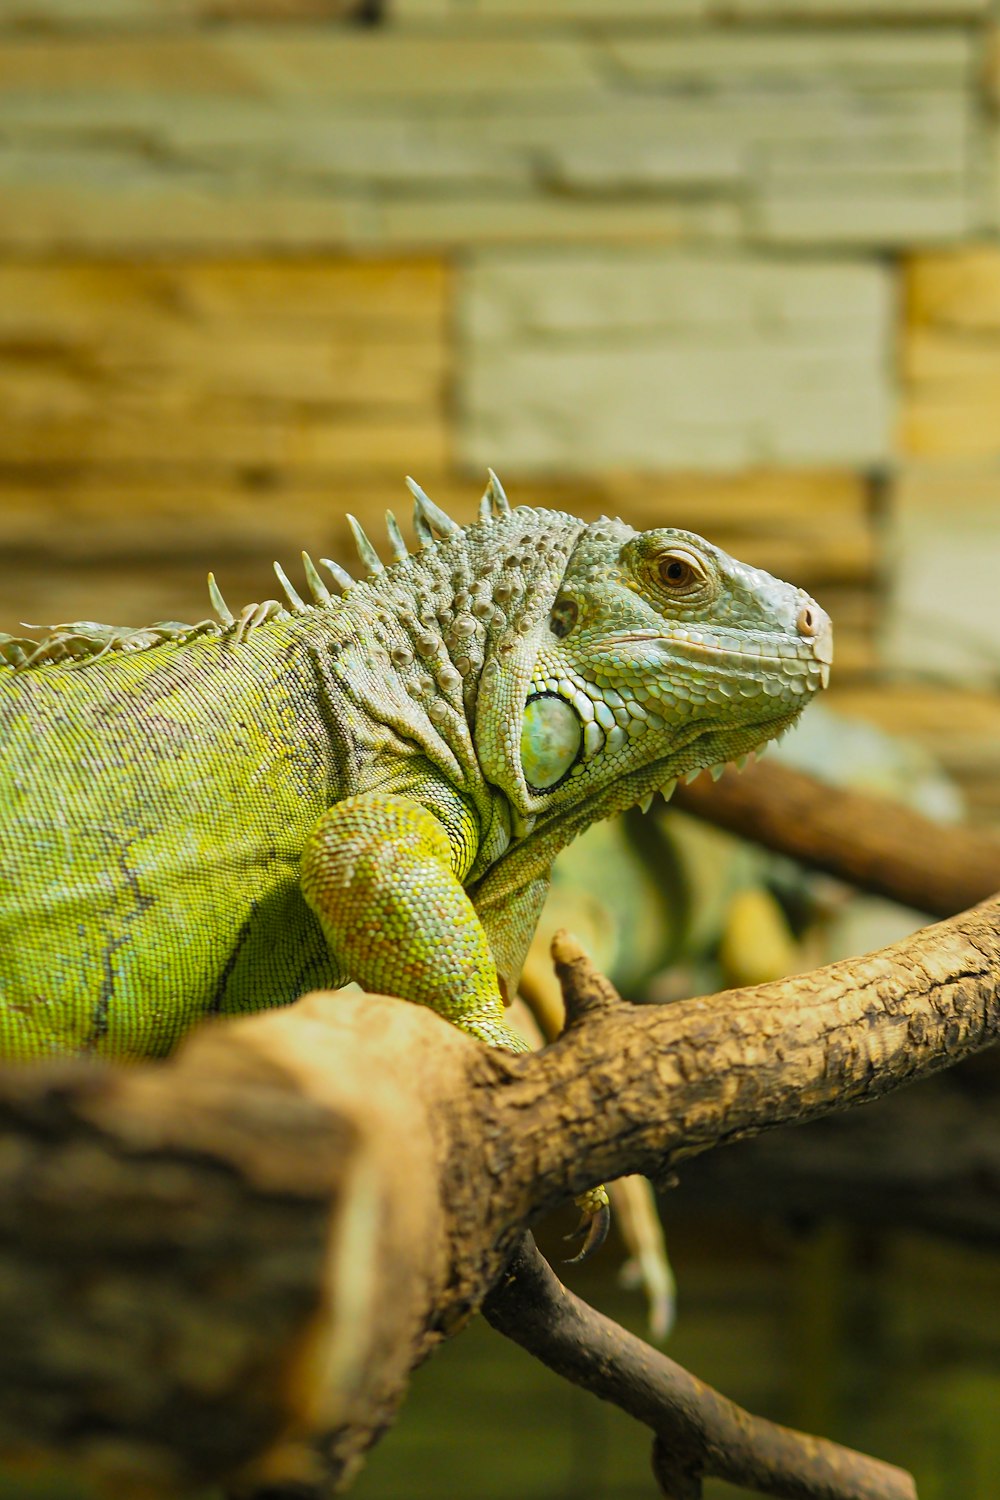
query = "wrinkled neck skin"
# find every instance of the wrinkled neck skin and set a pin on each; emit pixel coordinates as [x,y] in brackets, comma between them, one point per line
[554,677]
[458,630]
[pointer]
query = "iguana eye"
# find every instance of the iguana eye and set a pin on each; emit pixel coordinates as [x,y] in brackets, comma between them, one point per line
[679,571]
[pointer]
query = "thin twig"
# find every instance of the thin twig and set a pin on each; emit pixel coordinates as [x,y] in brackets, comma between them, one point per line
[699,1433]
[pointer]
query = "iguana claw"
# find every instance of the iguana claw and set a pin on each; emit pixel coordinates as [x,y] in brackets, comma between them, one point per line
[595,1222]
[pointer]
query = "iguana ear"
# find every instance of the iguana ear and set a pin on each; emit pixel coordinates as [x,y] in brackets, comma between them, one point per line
[509,920]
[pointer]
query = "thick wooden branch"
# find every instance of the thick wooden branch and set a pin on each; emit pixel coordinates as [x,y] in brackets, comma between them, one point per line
[224,1266]
[700,1434]
[868,841]
[674,1080]
[928,1159]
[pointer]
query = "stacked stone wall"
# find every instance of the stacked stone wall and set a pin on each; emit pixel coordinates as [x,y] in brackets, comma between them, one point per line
[730,264]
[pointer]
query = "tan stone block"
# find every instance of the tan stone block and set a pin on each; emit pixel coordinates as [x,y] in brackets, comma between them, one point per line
[260,63]
[703,299]
[948,426]
[76,211]
[185,64]
[950,360]
[593,360]
[951,355]
[400,65]
[666,408]
[291,367]
[398,300]
[467,220]
[943,618]
[864,58]
[958,289]
[217,435]
[664,12]
[864,11]
[68,15]
[793,213]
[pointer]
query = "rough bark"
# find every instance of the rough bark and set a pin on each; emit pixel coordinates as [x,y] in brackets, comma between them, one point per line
[227,1264]
[868,841]
[928,1159]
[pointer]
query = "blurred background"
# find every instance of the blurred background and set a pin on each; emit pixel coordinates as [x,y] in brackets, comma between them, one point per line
[725,264]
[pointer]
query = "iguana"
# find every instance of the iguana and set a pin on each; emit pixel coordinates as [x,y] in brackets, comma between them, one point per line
[200,820]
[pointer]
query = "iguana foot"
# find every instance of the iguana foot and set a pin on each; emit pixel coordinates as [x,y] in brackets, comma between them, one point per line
[595,1222]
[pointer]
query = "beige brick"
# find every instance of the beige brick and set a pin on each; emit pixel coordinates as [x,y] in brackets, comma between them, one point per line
[314,148]
[259,63]
[474,221]
[944,614]
[615,166]
[324,368]
[573,11]
[864,11]
[912,138]
[368,64]
[73,211]
[705,300]
[796,213]
[68,15]
[589,361]
[956,289]
[861,59]
[951,356]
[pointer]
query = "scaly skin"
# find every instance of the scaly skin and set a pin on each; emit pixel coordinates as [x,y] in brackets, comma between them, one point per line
[211,819]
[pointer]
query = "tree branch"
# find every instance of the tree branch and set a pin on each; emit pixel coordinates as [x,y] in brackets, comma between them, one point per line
[674,1080]
[870,842]
[225,1265]
[928,1158]
[699,1434]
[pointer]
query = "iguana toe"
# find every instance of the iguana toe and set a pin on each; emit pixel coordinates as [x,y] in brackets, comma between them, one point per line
[595,1221]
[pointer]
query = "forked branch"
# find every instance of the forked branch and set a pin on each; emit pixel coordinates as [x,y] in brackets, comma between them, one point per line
[226,1265]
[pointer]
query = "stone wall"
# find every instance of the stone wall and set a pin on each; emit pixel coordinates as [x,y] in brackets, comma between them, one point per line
[733,264]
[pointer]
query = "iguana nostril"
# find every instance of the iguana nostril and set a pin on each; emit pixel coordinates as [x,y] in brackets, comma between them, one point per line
[806,622]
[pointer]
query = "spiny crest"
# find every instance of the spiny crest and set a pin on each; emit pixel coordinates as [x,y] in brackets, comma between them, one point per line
[80,642]
[430,523]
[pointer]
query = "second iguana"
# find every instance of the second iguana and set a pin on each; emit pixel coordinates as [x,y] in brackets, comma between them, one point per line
[370,785]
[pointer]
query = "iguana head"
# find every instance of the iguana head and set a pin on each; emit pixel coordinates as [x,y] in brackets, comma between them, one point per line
[660,655]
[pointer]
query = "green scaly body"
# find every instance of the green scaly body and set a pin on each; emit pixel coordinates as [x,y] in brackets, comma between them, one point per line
[204,820]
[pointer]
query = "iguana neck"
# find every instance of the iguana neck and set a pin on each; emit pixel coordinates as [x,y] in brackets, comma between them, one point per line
[438,647]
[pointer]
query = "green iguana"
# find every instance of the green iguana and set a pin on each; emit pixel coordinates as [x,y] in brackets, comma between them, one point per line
[201,820]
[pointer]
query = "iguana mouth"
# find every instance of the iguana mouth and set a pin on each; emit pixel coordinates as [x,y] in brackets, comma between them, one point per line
[695,646]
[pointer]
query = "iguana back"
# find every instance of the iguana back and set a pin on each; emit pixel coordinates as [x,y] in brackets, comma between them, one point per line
[154,811]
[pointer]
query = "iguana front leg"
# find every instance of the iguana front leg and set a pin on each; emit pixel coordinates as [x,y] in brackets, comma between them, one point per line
[383,875]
